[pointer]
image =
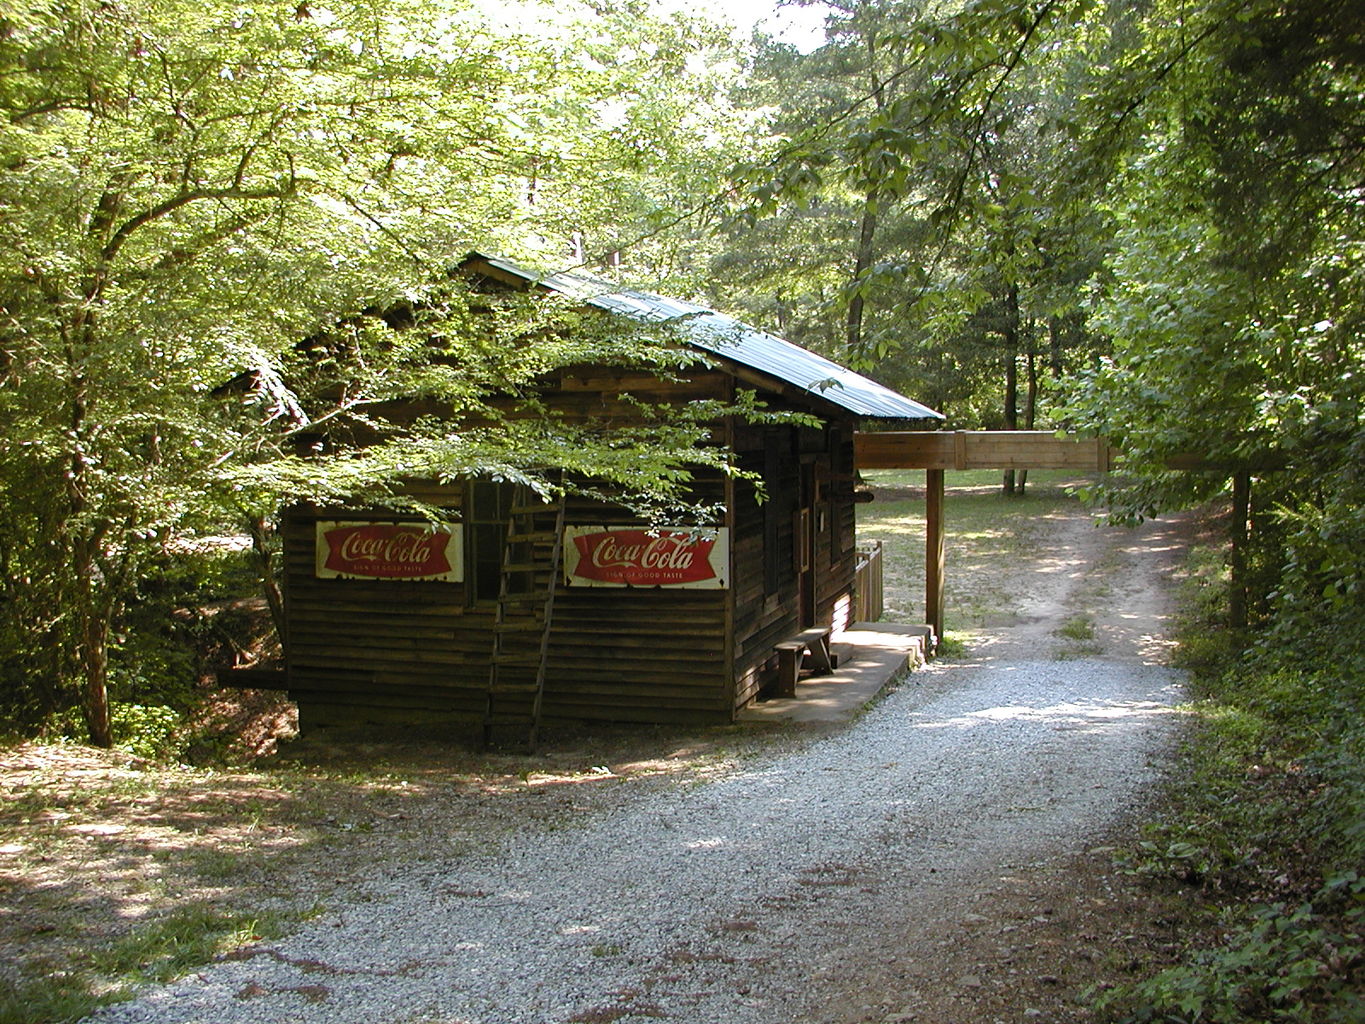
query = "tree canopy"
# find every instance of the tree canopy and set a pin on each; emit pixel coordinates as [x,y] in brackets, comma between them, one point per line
[1142,222]
[191,190]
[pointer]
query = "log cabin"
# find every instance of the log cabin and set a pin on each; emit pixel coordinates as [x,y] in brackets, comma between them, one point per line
[516,611]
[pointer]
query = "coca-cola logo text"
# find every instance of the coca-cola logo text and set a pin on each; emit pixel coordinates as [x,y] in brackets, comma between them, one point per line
[387,551]
[640,558]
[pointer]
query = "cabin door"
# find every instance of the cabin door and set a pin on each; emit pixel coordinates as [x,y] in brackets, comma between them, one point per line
[805,547]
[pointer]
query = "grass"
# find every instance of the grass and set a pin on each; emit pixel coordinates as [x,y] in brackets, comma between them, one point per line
[1078,639]
[1078,627]
[983,529]
[164,949]
[155,951]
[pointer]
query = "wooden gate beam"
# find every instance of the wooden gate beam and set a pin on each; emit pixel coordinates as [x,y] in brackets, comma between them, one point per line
[981,449]
[938,450]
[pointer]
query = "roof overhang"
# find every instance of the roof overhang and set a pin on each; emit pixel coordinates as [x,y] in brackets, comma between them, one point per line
[779,364]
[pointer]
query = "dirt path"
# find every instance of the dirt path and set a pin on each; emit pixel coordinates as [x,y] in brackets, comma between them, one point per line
[942,860]
[1011,940]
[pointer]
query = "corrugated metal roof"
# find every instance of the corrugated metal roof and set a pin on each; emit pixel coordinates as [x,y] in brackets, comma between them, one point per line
[734,340]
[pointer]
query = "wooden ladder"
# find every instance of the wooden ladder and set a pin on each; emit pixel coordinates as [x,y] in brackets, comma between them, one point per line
[522,623]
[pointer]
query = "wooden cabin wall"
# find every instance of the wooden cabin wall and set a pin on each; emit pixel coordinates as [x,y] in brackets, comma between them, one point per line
[634,653]
[763,553]
[765,541]
[377,651]
[637,654]
[837,492]
[382,651]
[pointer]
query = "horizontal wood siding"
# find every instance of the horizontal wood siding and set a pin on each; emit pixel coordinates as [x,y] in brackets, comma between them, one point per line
[379,652]
[766,606]
[362,651]
[638,654]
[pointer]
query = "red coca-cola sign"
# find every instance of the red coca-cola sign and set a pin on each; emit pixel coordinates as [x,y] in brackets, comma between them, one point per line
[602,556]
[389,551]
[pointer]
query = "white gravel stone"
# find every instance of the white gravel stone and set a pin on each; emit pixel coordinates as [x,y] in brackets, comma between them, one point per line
[718,902]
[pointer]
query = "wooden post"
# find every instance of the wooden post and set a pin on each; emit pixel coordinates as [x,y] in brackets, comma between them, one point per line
[1240,528]
[933,551]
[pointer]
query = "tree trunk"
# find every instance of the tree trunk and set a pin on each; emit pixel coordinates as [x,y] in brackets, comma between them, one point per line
[853,336]
[82,542]
[95,664]
[1240,529]
[1011,336]
[1054,346]
[1031,390]
[867,229]
[92,636]
[274,598]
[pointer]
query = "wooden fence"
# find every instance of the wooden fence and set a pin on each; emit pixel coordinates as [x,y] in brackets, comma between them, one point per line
[867,584]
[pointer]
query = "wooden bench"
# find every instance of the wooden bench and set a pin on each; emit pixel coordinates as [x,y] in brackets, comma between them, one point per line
[790,654]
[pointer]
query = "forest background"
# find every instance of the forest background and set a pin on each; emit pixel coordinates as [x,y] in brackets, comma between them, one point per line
[1141,221]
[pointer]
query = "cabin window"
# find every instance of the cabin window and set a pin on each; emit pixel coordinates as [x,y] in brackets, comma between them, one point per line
[488,508]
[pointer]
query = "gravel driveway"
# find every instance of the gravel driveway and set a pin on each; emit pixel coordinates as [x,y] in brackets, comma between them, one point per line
[755,897]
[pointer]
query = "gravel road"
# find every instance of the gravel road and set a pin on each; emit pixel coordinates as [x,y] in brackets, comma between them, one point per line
[751,898]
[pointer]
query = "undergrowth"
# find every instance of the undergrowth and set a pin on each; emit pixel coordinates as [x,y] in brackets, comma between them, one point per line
[1263,832]
[158,951]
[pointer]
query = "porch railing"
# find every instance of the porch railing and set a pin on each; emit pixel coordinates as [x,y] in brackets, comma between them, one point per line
[867,583]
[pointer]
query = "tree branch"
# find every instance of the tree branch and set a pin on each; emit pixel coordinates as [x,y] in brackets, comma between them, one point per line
[169,206]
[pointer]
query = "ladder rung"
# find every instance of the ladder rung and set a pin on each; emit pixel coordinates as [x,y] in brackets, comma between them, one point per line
[527,626]
[517,660]
[532,537]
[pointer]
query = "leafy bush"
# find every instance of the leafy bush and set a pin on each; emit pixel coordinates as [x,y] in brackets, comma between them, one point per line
[1268,822]
[147,731]
[1299,964]
[156,658]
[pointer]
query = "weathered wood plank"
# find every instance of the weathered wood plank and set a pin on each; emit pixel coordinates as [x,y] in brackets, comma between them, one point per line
[981,449]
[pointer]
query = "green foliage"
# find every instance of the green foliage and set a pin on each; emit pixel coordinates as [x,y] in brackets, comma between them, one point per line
[953,644]
[145,731]
[156,951]
[917,213]
[211,218]
[1233,294]
[1295,963]
[1266,822]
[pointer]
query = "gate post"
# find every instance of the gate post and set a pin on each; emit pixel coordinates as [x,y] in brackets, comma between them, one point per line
[933,551]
